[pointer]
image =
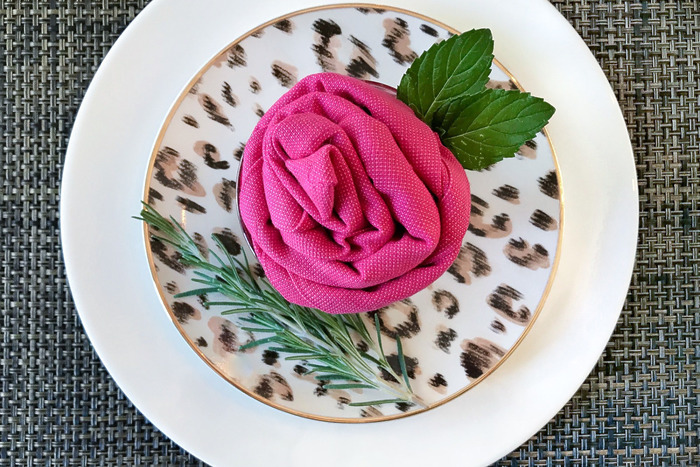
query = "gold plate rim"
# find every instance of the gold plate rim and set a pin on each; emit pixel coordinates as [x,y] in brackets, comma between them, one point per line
[191,343]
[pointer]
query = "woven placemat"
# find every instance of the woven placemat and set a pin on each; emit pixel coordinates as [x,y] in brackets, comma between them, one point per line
[638,407]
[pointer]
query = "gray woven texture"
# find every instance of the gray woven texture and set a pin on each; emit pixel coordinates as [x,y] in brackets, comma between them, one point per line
[638,407]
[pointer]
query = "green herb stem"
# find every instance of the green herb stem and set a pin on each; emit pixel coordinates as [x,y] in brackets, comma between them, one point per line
[321,340]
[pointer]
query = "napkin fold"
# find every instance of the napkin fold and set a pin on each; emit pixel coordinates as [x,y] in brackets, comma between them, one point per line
[350,201]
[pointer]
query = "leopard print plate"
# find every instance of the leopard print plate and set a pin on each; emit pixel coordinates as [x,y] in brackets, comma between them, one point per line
[456,331]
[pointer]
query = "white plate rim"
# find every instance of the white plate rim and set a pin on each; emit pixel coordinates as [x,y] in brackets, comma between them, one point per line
[92,220]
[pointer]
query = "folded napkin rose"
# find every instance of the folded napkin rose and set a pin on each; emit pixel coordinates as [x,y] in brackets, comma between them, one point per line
[349,200]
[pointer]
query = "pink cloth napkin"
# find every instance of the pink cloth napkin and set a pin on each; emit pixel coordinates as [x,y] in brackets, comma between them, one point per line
[350,201]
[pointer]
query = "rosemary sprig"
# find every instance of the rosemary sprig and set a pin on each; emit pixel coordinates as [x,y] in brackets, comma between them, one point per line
[324,341]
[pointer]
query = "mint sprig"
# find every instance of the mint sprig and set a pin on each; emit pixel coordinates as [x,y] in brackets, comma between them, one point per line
[446,88]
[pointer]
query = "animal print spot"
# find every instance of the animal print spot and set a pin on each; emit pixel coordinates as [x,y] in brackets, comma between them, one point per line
[501,301]
[528,150]
[404,406]
[228,240]
[341,397]
[479,355]
[178,175]
[444,301]
[507,193]
[172,288]
[258,110]
[269,357]
[214,110]
[210,154]
[254,85]
[362,346]
[370,10]
[548,184]
[520,252]
[542,220]
[397,39]
[228,96]
[444,338]
[259,33]
[167,255]
[320,389]
[370,412]
[284,25]
[258,270]
[201,243]
[412,368]
[362,62]
[507,84]
[342,401]
[190,120]
[471,260]
[398,319]
[188,177]
[225,337]
[287,75]
[499,227]
[498,327]
[237,56]
[238,152]
[428,30]
[154,196]
[184,312]
[201,342]
[225,193]
[190,206]
[326,45]
[274,384]
[439,383]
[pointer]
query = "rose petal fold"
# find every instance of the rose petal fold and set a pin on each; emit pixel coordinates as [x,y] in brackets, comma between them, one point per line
[351,202]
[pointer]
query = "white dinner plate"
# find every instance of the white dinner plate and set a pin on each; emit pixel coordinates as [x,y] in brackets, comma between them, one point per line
[456,331]
[103,178]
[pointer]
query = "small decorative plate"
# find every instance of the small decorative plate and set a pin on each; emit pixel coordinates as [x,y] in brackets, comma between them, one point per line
[455,332]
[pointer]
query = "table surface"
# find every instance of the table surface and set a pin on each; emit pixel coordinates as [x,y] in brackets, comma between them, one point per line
[637,407]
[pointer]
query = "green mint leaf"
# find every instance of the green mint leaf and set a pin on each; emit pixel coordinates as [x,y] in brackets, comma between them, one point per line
[445,87]
[458,66]
[483,129]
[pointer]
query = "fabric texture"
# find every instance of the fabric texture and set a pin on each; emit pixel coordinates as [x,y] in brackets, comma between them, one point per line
[351,202]
[638,407]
